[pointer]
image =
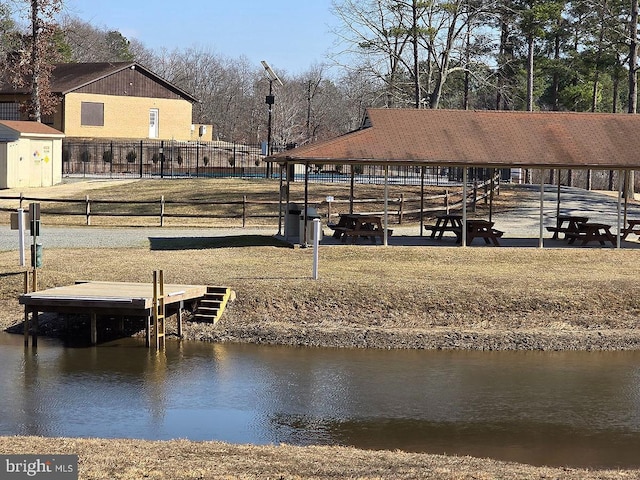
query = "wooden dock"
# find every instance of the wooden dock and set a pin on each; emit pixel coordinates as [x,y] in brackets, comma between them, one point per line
[108,298]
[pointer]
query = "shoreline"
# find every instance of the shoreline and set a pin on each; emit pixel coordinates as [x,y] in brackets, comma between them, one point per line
[129,459]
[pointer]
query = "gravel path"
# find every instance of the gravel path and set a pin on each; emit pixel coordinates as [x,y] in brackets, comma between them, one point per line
[116,237]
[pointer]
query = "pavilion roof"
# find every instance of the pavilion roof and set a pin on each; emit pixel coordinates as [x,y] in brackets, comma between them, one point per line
[483,139]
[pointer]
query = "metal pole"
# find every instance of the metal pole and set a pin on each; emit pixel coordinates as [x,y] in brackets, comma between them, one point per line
[620,184]
[316,244]
[270,102]
[386,205]
[541,240]
[464,206]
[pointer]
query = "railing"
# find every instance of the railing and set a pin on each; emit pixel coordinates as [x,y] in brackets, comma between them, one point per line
[245,208]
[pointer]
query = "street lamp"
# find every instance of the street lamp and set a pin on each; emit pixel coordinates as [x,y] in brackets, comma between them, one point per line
[270,100]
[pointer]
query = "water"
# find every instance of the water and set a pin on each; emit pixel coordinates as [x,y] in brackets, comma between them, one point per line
[570,408]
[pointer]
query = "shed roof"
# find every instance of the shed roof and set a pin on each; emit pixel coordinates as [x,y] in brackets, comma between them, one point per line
[11,130]
[483,138]
[68,77]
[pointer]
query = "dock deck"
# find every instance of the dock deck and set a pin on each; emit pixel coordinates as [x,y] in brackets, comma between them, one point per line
[107,298]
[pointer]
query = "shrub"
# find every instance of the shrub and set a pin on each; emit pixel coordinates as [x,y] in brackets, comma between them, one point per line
[131,156]
[107,156]
[66,154]
[85,155]
[205,160]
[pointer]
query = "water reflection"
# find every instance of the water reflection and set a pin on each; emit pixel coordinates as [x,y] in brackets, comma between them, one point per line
[578,409]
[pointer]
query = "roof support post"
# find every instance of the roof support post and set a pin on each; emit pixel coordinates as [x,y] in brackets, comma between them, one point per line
[351,189]
[386,205]
[290,167]
[280,201]
[621,183]
[303,233]
[541,239]
[464,206]
[558,201]
[422,169]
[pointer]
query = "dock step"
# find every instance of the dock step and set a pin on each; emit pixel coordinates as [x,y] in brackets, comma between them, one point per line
[213,304]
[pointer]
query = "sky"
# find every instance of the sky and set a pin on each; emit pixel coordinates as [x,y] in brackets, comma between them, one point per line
[289,34]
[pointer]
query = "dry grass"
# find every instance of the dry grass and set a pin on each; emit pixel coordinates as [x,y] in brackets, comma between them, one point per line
[181,459]
[214,190]
[390,288]
[411,289]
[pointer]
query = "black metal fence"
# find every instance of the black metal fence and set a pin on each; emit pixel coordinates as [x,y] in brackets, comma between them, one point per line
[173,159]
[150,158]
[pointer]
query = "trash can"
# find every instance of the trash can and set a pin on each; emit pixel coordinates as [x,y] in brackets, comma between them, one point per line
[292,221]
[312,214]
[36,255]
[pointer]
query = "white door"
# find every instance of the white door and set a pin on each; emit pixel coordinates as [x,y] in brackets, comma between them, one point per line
[153,123]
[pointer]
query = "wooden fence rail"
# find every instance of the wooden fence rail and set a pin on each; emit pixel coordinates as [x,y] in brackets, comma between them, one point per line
[446,202]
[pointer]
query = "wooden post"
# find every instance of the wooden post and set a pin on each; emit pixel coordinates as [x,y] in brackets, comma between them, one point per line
[147,330]
[87,209]
[26,326]
[446,202]
[158,308]
[34,335]
[244,211]
[401,209]
[162,211]
[179,320]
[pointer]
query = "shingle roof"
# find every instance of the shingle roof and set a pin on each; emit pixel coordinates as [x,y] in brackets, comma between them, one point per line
[67,77]
[483,138]
[17,128]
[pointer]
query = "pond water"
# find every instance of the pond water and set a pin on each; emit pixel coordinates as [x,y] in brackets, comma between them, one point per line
[569,408]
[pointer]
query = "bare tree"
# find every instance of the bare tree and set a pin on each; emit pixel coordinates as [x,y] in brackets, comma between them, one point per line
[37,60]
[374,34]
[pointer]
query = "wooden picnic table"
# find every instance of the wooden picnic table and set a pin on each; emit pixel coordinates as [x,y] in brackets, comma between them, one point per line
[355,225]
[592,232]
[572,225]
[445,223]
[631,228]
[480,229]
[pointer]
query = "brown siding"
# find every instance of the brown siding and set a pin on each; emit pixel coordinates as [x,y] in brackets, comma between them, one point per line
[129,83]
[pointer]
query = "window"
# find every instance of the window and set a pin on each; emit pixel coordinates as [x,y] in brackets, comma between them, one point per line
[92,114]
[9,111]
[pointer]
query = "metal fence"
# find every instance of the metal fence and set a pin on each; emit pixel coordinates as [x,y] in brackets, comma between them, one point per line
[173,159]
[150,158]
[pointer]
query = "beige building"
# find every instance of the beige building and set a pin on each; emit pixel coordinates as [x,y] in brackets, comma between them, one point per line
[121,100]
[30,155]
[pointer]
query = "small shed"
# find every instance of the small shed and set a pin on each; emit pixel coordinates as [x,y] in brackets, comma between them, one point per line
[30,154]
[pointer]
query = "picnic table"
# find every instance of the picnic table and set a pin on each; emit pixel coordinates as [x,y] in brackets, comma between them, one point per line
[445,223]
[592,232]
[355,225]
[631,228]
[480,229]
[567,224]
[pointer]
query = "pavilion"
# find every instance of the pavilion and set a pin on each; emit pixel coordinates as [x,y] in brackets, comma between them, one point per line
[480,139]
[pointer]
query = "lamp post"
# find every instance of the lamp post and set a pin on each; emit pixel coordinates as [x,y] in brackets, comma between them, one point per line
[270,100]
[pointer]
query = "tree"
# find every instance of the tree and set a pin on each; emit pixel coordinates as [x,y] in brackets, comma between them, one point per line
[42,57]
[87,43]
[375,35]
[35,55]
